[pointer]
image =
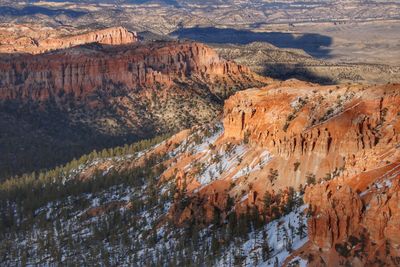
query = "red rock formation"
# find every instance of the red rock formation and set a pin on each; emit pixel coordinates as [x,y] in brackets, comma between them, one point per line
[110,36]
[79,71]
[362,229]
[347,136]
[339,210]
[321,128]
[36,43]
[139,89]
[350,133]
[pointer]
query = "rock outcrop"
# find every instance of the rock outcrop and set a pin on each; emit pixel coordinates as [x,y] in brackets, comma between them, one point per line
[340,212]
[322,129]
[115,93]
[343,139]
[36,43]
[346,139]
[79,71]
[356,228]
[110,36]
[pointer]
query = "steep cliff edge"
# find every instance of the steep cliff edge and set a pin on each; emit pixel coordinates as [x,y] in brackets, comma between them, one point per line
[344,139]
[236,188]
[117,93]
[29,41]
[356,221]
[321,130]
[109,36]
[83,70]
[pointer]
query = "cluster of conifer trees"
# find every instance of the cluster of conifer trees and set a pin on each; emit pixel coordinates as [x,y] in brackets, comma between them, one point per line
[42,218]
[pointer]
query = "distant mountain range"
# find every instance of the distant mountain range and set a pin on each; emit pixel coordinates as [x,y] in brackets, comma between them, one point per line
[226,13]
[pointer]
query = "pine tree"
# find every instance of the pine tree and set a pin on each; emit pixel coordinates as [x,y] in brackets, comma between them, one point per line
[301,229]
[273,175]
[290,204]
[276,263]
[311,179]
[265,248]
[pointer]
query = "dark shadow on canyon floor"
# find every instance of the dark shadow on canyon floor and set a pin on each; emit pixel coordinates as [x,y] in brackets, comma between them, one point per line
[316,45]
[282,71]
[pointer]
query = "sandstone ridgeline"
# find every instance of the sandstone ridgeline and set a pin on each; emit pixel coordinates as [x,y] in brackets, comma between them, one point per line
[35,43]
[112,87]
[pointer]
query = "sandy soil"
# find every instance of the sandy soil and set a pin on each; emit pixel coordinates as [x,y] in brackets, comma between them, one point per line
[370,42]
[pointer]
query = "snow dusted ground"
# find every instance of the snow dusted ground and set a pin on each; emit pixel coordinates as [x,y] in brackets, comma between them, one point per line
[226,162]
[281,235]
[385,179]
[199,142]
[70,219]
[255,165]
[125,223]
[297,261]
[221,163]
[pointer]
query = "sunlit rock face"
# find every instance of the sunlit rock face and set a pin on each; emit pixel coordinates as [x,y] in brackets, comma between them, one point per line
[29,41]
[343,138]
[80,71]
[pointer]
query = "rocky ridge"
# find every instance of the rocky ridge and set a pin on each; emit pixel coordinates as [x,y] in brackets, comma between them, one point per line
[37,43]
[339,144]
[121,92]
[344,139]
[81,71]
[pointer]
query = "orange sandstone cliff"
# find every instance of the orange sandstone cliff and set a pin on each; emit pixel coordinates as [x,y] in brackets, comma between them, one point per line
[36,41]
[101,92]
[344,139]
[337,144]
[81,71]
